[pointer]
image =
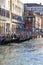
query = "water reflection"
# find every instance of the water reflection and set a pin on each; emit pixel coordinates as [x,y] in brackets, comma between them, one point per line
[22,54]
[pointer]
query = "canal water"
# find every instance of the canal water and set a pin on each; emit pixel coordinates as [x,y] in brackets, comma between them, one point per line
[26,53]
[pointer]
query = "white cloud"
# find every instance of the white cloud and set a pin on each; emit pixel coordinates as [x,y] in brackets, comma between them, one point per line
[32,1]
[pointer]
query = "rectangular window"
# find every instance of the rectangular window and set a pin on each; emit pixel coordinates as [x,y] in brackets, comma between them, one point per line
[13,6]
[9,4]
[18,9]
[7,27]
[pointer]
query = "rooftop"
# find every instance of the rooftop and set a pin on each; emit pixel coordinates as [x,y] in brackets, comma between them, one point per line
[33,4]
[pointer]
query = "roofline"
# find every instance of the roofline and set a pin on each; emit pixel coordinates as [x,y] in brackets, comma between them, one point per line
[33,3]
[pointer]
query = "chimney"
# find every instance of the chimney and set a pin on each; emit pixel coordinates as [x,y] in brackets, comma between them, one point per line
[40,3]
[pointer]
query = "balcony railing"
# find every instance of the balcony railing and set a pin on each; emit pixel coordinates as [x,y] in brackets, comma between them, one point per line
[16,17]
[5,13]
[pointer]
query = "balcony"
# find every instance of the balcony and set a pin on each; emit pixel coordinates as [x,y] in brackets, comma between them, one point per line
[16,17]
[5,13]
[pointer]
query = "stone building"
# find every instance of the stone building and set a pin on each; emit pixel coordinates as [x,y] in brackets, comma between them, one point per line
[34,7]
[33,17]
[6,26]
[33,21]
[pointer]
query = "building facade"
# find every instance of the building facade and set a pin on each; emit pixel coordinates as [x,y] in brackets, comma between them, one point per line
[33,21]
[17,12]
[38,8]
[33,17]
[38,21]
[29,20]
[42,23]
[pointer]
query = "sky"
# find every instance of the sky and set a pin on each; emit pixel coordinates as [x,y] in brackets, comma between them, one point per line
[32,1]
